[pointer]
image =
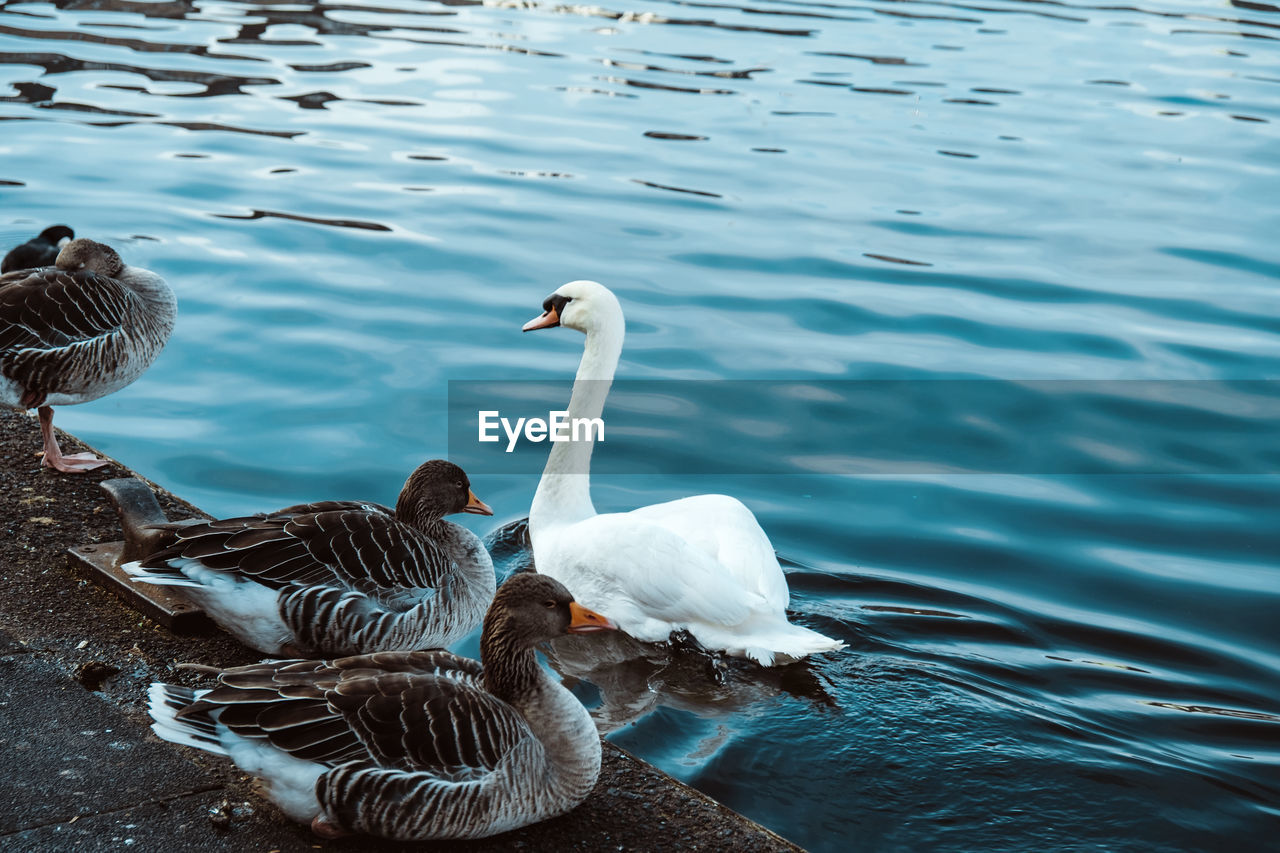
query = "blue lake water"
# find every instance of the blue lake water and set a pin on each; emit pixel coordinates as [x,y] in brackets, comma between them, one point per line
[358,203]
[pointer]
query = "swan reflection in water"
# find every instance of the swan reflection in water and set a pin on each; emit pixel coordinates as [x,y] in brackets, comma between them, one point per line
[636,678]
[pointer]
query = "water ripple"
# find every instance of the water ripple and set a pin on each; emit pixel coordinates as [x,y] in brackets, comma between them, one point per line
[333,223]
[677,189]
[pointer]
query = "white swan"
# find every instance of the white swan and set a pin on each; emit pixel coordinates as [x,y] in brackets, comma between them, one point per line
[699,564]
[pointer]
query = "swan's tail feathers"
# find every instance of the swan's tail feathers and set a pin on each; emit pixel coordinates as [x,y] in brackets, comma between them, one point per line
[770,642]
[788,644]
[166,702]
[158,575]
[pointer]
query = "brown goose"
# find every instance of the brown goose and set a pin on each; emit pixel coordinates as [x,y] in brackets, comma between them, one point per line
[76,332]
[340,577]
[39,251]
[409,745]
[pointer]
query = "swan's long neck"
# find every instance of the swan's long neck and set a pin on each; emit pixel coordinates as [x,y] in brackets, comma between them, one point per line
[564,493]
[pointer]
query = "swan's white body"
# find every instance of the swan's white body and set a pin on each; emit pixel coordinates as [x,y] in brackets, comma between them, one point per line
[700,564]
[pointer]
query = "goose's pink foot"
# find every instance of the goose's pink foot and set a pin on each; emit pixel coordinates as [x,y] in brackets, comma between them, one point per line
[72,463]
[325,829]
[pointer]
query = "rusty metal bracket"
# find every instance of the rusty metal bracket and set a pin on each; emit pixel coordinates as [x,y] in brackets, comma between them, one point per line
[146,530]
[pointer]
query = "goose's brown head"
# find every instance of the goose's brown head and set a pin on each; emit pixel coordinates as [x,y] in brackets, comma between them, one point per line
[435,489]
[531,608]
[86,254]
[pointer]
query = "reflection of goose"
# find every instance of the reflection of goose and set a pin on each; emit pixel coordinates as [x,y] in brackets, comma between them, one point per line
[39,251]
[635,679]
[339,577]
[700,564]
[409,745]
[76,332]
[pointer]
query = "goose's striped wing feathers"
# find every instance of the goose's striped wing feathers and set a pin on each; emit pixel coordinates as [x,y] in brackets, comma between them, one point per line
[360,546]
[363,548]
[282,702]
[256,547]
[416,723]
[403,710]
[46,311]
[51,307]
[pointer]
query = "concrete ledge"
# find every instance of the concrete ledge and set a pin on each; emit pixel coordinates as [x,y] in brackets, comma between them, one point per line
[88,774]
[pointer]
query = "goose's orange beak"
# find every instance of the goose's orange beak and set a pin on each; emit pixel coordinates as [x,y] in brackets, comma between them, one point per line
[586,621]
[475,505]
[547,320]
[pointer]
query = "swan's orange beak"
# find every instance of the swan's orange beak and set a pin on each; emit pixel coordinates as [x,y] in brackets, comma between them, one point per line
[586,621]
[547,320]
[475,505]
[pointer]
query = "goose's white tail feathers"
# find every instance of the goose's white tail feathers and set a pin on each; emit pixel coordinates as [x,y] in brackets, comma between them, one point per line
[199,731]
[289,782]
[230,600]
[165,576]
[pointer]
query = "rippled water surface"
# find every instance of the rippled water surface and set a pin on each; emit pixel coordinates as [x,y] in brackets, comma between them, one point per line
[358,202]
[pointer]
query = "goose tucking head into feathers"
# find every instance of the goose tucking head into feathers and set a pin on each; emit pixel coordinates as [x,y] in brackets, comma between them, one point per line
[78,331]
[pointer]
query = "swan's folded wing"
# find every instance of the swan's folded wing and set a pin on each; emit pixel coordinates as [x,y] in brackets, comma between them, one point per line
[724,529]
[45,313]
[418,722]
[664,575]
[366,548]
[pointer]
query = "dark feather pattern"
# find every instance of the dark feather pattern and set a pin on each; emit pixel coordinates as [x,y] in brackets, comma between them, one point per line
[407,710]
[44,312]
[329,616]
[283,715]
[39,251]
[362,546]
[356,545]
